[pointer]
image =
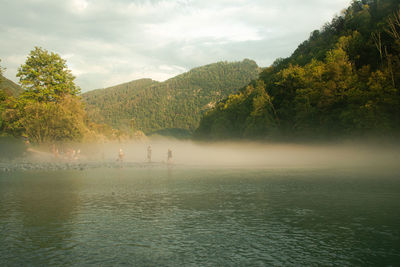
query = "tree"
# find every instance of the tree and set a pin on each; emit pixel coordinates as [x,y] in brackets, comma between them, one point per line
[45,77]
[262,121]
[47,122]
[49,108]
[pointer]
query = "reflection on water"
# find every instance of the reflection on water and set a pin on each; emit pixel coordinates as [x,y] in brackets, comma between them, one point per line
[171,216]
[36,210]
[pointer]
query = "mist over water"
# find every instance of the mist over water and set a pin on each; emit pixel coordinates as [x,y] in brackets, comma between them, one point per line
[253,154]
[217,154]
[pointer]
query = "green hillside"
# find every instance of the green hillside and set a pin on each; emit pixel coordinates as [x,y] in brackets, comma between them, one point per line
[109,105]
[9,86]
[343,81]
[177,103]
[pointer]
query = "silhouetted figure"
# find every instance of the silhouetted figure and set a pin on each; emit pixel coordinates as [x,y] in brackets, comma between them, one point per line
[149,154]
[169,157]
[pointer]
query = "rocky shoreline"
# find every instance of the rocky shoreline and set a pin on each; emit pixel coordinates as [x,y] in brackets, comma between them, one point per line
[49,166]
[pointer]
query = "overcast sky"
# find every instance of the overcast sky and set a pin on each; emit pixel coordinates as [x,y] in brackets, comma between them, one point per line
[107,42]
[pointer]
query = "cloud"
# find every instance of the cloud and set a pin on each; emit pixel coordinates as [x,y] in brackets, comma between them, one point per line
[212,25]
[79,5]
[110,42]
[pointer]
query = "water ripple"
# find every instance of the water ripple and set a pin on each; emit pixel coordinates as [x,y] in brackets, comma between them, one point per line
[197,217]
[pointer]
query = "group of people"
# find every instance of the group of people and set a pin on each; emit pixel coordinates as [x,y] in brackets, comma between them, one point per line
[69,154]
[121,155]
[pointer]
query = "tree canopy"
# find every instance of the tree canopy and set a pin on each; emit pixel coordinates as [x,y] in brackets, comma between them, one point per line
[45,77]
[49,109]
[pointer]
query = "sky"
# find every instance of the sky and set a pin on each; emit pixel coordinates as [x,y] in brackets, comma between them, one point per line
[108,42]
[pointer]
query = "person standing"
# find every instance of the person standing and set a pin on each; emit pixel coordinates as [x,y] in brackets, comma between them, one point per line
[149,154]
[169,157]
[121,155]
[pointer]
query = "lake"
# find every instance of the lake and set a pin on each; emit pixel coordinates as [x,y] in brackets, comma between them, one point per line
[198,216]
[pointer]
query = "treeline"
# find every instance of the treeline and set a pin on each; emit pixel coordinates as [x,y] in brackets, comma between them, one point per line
[176,104]
[343,81]
[48,109]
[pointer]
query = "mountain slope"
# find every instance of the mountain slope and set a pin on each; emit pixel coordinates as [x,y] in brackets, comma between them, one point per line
[9,86]
[177,103]
[108,105]
[343,81]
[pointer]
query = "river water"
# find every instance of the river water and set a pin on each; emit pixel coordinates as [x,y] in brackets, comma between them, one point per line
[194,216]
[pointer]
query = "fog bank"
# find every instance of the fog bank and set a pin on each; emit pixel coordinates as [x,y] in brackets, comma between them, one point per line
[230,154]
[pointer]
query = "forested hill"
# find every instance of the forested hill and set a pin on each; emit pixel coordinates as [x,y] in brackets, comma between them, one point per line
[9,86]
[177,103]
[343,81]
[110,105]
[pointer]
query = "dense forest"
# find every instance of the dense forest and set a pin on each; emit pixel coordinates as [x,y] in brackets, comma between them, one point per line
[343,81]
[172,106]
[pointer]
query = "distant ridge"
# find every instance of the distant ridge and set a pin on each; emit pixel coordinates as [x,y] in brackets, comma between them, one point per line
[10,87]
[177,103]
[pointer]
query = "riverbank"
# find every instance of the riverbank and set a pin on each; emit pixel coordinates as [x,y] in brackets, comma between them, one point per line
[75,165]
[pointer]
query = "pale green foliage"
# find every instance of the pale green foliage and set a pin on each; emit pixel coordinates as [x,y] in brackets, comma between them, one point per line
[45,77]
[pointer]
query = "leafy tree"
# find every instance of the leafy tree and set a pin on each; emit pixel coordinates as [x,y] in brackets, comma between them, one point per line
[249,113]
[262,121]
[45,77]
[49,109]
